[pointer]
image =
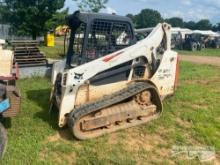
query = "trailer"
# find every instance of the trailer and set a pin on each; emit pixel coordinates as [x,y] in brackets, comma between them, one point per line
[10,98]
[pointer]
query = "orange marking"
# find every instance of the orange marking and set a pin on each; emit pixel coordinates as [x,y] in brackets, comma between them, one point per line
[110,57]
[177,73]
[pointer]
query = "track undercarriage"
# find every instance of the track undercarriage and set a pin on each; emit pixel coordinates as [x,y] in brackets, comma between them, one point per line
[133,105]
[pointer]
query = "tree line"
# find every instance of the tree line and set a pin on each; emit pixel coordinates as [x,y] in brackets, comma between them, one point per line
[36,17]
[150,18]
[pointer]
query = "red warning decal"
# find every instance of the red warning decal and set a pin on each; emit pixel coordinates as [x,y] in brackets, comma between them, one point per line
[110,57]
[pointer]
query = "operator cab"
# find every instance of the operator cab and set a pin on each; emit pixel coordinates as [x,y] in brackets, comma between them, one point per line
[93,35]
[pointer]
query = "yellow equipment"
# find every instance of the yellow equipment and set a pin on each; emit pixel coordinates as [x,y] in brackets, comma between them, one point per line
[50,39]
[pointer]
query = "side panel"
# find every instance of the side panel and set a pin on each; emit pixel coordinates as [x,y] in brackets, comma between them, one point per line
[165,76]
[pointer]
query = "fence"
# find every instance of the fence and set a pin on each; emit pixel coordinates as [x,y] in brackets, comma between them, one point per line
[5,34]
[4,31]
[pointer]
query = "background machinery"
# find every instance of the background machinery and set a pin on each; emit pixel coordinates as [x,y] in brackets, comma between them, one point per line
[109,81]
[215,43]
[194,42]
[9,94]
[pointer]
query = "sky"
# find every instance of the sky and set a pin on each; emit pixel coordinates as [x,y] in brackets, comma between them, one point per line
[187,9]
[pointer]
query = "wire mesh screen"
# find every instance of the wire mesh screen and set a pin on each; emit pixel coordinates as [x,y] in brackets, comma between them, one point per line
[106,37]
[79,38]
[78,43]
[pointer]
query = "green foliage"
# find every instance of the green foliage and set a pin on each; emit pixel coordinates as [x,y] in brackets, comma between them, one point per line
[216,27]
[203,24]
[91,5]
[30,17]
[57,19]
[131,16]
[190,25]
[175,21]
[2,11]
[148,18]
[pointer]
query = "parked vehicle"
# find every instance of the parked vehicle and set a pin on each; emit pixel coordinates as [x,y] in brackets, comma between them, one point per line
[193,42]
[109,81]
[9,94]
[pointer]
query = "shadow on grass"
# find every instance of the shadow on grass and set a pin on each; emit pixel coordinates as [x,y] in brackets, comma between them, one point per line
[6,122]
[41,97]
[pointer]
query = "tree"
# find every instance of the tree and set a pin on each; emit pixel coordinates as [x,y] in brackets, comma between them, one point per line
[190,25]
[216,27]
[148,18]
[57,19]
[30,17]
[131,16]
[91,5]
[203,24]
[175,21]
[2,12]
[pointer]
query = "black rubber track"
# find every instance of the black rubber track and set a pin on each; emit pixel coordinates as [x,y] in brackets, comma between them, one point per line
[117,97]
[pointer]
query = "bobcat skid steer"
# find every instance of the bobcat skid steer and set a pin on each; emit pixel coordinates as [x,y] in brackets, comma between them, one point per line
[98,94]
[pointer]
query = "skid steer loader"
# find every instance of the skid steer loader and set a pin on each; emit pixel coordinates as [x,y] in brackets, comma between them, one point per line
[108,81]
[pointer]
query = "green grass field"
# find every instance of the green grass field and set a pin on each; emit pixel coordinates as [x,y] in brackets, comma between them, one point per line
[55,52]
[191,117]
[204,52]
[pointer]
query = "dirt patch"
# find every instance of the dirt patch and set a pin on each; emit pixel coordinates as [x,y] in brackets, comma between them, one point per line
[184,124]
[203,82]
[60,158]
[59,42]
[71,158]
[217,160]
[199,106]
[155,159]
[201,59]
[137,141]
[53,138]
[113,138]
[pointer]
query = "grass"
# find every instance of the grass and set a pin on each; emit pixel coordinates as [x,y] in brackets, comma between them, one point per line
[204,52]
[55,52]
[191,117]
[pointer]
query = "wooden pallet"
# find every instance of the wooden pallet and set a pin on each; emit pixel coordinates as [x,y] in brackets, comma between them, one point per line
[28,54]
